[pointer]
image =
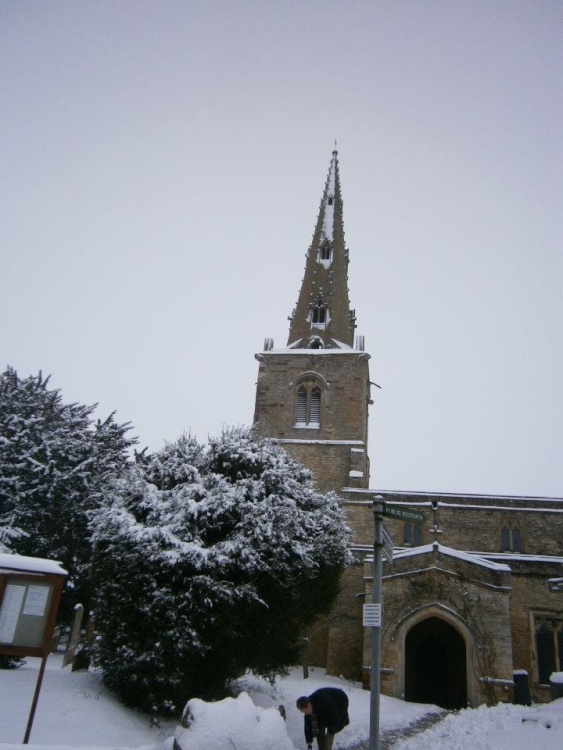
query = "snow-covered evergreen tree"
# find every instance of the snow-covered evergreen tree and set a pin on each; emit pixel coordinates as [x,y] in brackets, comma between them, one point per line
[210,561]
[54,461]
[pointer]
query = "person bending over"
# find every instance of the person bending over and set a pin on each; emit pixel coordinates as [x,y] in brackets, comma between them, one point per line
[326,713]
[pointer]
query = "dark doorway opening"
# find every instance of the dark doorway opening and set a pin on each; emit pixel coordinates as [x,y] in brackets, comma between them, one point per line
[435,665]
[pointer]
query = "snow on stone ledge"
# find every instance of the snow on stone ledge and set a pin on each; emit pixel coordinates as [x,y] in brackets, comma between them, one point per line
[556,678]
[231,723]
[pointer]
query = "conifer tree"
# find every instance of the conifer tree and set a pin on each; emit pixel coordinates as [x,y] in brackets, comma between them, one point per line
[54,461]
[207,562]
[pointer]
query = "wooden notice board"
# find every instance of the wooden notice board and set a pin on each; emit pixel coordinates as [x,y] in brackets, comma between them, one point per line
[29,602]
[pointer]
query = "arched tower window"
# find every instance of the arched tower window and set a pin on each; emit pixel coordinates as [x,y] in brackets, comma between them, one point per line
[319,313]
[325,250]
[308,408]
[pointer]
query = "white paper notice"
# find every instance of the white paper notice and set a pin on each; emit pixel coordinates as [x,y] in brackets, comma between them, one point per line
[36,601]
[10,612]
[372,615]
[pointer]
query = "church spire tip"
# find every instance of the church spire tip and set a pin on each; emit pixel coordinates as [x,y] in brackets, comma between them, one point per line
[322,316]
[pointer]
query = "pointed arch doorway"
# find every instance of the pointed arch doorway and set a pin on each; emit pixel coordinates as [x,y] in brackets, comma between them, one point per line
[436,664]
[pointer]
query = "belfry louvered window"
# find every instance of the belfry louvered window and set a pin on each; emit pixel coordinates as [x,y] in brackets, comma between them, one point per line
[319,314]
[302,405]
[315,405]
[325,251]
[308,412]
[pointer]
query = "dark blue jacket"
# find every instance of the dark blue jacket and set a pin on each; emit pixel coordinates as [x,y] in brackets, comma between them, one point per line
[330,707]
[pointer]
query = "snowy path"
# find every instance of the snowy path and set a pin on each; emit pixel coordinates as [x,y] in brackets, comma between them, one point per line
[389,738]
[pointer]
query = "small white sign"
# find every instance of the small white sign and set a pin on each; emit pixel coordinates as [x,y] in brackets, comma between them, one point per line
[372,615]
[36,601]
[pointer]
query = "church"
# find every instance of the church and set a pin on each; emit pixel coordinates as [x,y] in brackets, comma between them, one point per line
[472,597]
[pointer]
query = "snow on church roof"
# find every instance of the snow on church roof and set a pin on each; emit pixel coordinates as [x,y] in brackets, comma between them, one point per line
[463,495]
[450,552]
[522,557]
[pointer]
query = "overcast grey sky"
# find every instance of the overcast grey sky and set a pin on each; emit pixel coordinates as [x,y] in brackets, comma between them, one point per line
[161,167]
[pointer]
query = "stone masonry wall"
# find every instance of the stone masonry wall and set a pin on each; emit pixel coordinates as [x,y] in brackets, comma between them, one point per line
[344,380]
[331,464]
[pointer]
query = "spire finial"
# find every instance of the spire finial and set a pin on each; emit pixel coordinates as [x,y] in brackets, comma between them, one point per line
[335,150]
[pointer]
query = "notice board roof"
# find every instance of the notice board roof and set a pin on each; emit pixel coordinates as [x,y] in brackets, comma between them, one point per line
[21,563]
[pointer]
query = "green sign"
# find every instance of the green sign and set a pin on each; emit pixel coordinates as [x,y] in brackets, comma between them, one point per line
[404,514]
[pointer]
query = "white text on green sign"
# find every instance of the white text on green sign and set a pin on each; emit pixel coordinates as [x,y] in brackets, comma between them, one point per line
[405,514]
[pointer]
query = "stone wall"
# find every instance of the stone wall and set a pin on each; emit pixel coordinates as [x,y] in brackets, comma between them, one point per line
[343,376]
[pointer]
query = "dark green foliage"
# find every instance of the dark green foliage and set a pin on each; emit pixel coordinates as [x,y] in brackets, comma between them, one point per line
[208,562]
[54,462]
[11,662]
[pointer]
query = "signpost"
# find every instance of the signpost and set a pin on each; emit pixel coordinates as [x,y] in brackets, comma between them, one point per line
[373,613]
[375,623]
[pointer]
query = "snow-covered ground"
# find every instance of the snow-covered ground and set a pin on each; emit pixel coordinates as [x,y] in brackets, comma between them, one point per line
[75,710]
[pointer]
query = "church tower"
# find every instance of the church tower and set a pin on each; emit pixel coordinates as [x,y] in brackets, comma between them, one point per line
[312,396]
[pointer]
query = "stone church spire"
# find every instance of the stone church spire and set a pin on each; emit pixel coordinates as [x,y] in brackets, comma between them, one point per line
[322,318]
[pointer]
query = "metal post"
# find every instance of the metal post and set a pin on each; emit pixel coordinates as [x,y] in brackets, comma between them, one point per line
[35,699]
[376,631]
